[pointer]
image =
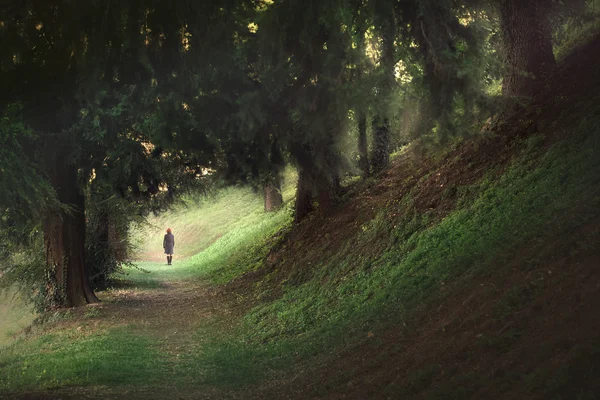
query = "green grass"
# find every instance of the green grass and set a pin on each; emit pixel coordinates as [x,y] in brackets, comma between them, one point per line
[126,356]
[235,237]
[239,249]
[201,222]
[117,357]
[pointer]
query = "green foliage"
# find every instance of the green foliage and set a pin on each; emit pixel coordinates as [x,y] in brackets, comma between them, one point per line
[15,314]
[24,270]
[108,245]
[24,191]
[574,34]
[141,105]
[81,92]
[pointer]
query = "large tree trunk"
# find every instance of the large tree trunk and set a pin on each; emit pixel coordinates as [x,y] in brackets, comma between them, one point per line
[327,195]
[273,196]
[528,45]
[363,156]
[304,195]
[381,124]
[64,239]
[381,146]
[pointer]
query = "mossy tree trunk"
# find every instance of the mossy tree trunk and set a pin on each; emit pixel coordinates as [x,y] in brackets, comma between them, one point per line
[527,42]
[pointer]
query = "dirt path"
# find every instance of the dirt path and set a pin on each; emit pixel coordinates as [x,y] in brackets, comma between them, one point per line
[170,314]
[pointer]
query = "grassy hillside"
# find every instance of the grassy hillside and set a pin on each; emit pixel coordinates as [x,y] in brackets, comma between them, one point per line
[200,222]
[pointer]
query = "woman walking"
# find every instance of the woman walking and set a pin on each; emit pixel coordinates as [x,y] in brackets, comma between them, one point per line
[168,244]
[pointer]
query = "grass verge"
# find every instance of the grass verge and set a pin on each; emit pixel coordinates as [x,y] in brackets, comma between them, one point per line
[76,358]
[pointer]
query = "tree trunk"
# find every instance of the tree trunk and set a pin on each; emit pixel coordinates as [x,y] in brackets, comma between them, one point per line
[98,262]
[528,46]
[381,124]
[64,239]
[363,157]
[304,196]
[117,238]
[327,195]
[381,146]
[273,197]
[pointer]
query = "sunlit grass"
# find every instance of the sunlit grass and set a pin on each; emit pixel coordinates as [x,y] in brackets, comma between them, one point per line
[15,315]
[242,244]
[201,221]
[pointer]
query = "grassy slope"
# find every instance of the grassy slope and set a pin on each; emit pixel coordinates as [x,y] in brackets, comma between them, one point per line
[199,223]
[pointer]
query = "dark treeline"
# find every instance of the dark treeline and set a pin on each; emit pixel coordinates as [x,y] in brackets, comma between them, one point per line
[112,109]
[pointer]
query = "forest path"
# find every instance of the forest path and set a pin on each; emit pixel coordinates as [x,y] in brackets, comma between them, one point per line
[170,312]
[170,308]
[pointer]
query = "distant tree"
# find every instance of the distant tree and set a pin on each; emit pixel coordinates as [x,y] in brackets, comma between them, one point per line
[363,68]
[305,51]
[272,194]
